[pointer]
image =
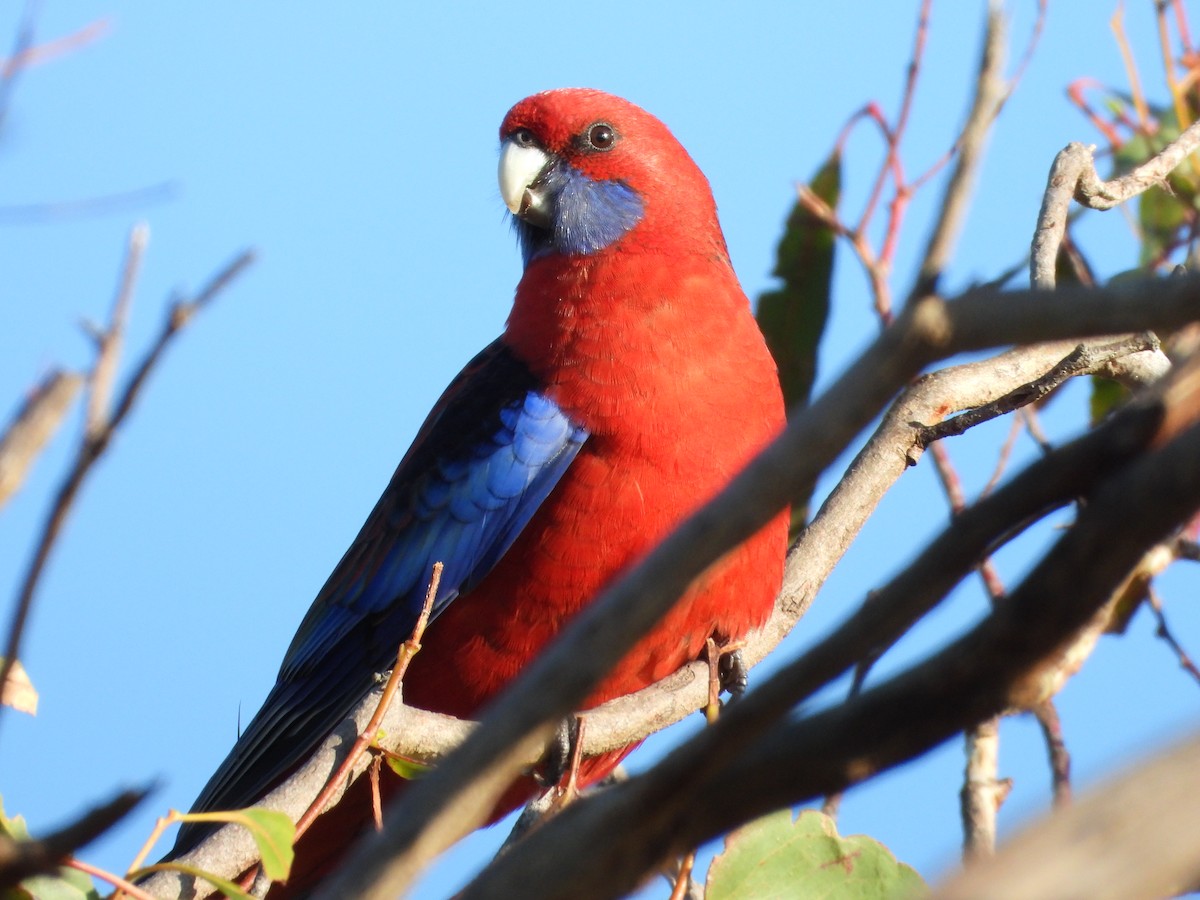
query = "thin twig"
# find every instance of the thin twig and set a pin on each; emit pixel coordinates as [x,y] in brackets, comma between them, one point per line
[404,656]
[1164,631]
[14,65]
[93,445]
[1004,456]
[102,204]
[982,792]
[1084,358]
[683,877]
[123,887]
[990,93]
[110,340]
[1073,176]
[1046,714]
[55,48]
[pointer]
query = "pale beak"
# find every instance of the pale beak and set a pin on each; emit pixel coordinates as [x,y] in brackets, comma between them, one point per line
[520,168]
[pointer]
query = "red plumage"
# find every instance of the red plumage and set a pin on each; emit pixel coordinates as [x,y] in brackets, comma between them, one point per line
[649,343]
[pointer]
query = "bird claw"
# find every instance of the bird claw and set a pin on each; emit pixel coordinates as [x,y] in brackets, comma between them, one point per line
[560,751]
[733,674]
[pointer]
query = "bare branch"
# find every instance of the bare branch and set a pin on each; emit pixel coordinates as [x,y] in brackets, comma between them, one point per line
[715,780]
[1134,837]
[425,820]
[93,444]
[982,791]
[100,204]
[1073,176]
[629,719]
[990,93]
[626,720]
[1083,358]
[109,341]
[1056,748]
[1164,632]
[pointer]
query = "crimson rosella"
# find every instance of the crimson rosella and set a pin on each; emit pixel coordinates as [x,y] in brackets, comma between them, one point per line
[629,385]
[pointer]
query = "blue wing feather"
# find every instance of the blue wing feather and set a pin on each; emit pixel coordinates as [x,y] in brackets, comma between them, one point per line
[486,458]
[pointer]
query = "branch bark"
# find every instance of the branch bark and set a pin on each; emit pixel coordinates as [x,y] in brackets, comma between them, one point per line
[602,847]
[1134,837]
[101,424]
[455,797]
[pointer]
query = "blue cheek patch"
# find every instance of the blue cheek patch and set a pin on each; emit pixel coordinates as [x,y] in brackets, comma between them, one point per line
[589,215]
[592,215]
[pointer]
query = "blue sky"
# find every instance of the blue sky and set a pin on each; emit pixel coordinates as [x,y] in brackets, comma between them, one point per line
[357,152]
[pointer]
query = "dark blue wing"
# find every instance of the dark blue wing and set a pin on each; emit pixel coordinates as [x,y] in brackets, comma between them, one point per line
[486,458]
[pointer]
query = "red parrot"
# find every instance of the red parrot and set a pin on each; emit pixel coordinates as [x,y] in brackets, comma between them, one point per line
[629,385]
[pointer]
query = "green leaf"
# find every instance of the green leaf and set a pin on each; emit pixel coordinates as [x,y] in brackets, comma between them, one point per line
[65,884]
[1161,215]
[1107,395]
[406,768]
[273,833]
[776,858]
[15,827]
[409,769]
[68,884]
[793,317]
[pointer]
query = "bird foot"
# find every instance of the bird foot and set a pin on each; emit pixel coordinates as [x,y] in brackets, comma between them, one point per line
[732,672]
[562,755]
[726,672]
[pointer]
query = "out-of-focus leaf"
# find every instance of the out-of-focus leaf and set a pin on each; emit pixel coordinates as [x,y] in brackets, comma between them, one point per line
[273,834]
[1107,395]
[18,691]
[775,858]
[68,884]
[1161,214]
[406,768]
[1133,153]
[64,884]
[14,827]
[793,316]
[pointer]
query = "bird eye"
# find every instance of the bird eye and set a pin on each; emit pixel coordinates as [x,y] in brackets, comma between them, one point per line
[523,137]
[600,136]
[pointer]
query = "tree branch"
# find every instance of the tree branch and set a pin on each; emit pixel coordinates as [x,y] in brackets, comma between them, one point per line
[1134,837]
[425,820]
[101,426]
[990,94]
[1073,176]
[703,788]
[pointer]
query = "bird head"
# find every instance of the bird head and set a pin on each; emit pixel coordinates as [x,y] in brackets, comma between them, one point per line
[583,171]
